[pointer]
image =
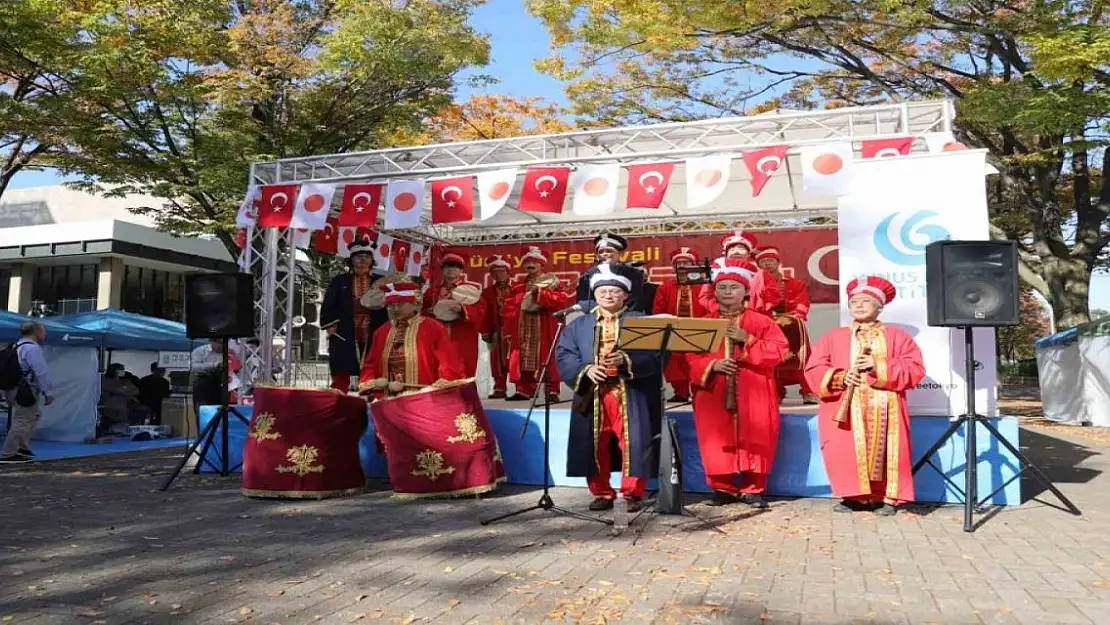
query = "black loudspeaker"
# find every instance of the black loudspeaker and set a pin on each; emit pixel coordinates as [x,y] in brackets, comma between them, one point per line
[972,283]
[219,305]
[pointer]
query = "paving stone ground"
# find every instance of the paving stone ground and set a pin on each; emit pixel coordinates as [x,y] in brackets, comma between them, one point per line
[94,541]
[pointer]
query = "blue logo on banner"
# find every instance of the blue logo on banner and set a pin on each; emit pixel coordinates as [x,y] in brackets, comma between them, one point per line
[902,239]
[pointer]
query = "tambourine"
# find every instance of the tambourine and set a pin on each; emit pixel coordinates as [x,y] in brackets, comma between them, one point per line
[546,281]
[465,294]
[374,297]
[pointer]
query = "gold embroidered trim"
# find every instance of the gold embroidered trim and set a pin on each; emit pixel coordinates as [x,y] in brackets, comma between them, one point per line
[294,494]
[262,427]
[826,389]
[302,458]
[431,466]
[412,371]
[473,490]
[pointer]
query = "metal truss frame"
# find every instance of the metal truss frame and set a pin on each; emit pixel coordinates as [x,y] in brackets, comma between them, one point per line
[271,255]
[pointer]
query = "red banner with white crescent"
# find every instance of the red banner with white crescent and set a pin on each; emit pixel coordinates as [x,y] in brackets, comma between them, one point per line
[809,254]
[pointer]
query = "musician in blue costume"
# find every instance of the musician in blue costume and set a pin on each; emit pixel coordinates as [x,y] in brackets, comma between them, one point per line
[616,412]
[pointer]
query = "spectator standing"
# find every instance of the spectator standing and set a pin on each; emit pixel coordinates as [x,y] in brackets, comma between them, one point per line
[153,390]
[36,376]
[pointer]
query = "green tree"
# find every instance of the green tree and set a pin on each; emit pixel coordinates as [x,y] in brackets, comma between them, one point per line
[1017,342]
[1031,79]
[175,99]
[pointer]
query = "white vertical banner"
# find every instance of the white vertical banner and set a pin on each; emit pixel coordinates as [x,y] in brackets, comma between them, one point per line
[896,207]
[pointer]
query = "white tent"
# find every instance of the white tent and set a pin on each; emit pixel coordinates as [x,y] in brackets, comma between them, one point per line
[1074,371]
[72,416]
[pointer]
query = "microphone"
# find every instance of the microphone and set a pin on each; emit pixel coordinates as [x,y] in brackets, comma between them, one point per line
[566,311]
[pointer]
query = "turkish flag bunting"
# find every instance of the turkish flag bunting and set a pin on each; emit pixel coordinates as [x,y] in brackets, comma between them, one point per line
[360,205]
[882,148]
[275,210]
[327,240]
[400,254]
[762,164]
[348,235]
[452,200]
[647,184]
[544,189]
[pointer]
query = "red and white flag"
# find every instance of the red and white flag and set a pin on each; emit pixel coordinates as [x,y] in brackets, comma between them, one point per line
[943,142]
[400,254]
[417,256]
[404,201]
[248,208]
[383,253]
[544,190]
[883,148]
[360,205]
[647,184]
[595,189]
[326,241]
[827,169]
[452,200]
[302,238]
[348,235]
[706,178]
[275,208]
[313,206]
[764,163]
[494,189]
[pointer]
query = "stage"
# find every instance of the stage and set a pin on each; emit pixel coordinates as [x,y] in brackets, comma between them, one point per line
[799,468]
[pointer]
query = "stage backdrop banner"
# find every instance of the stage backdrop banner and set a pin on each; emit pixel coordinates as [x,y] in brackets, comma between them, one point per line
[896,207]
[808,253]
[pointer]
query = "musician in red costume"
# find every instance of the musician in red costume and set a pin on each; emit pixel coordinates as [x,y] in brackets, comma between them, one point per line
[739,247]
[458,305]
[741,437]
[790,308]
[680,300]
[409,352]
[871,366]
[494,298]
[529,324]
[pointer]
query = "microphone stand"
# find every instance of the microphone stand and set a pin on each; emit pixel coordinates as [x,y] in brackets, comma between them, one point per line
[546,503]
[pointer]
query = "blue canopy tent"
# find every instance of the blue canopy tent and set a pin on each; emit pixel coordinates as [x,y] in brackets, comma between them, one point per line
[124,330]
[71,357]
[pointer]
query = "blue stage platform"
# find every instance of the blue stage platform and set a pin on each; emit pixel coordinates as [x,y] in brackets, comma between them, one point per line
[799,468]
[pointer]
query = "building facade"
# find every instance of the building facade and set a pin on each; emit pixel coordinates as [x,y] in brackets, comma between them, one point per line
[64,251]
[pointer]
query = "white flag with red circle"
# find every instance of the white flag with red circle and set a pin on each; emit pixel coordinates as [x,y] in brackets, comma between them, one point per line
[313,206]
[404,201]
[248,208]
[494,189]
[706,178]
[764,163]
[383,253]
[885,148]
[360,205]
[595,189]
[326,241]
[647,184]
[827,169]
[302,238]
[275,206]
[544,190]
[452,200]
[348,235]
[417,256]
[943,142]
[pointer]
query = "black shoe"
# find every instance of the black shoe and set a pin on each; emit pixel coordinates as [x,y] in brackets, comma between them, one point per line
[810,400]
[27,452]
[601,503]
[497,395]
[721,498]
[634,504]
[754,500]
[518,397]
[553,398]
[886,510]
[678,399]
[847,505]
[15,459]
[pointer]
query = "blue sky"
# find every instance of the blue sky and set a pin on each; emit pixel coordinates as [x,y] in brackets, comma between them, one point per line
[518,39]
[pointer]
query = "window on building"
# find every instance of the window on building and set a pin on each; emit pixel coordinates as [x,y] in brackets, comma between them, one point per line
[64,289]
[153,293]
[5,282]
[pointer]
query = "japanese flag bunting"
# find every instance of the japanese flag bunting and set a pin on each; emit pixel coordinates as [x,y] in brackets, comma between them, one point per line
[313,206]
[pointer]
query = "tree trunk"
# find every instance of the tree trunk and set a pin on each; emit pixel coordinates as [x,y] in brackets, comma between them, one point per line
[1069,280]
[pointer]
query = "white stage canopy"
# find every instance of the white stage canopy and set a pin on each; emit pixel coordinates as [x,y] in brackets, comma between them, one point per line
[781,203]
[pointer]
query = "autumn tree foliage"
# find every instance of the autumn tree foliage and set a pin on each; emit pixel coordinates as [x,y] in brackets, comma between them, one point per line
[1016,343]
[175,99]
[495,116]
[1031,80]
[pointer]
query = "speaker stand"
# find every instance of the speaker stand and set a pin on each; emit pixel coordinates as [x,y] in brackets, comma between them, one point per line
[207,436]
[970,420]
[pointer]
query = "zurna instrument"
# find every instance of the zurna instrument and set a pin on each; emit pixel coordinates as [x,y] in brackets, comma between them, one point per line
[843,410]
[546,281]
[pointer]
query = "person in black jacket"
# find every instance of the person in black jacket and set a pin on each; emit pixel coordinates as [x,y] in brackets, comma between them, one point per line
[348,323]
[645,300]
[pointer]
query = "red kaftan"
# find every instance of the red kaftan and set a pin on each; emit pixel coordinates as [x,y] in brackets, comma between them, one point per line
[494,298]
[745,441]
[680,300]
[531,334]
[790,305]
[424,353]
[464,330]
[868,457]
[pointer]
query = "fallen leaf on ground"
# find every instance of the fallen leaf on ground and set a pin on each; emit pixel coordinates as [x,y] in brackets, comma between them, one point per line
[83,611]
[246,611]
[452,602]
[275,593]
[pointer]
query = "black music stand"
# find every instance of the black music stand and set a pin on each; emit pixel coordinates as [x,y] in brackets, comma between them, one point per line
[208,435]
[666,334]
[971,420]
[546,503]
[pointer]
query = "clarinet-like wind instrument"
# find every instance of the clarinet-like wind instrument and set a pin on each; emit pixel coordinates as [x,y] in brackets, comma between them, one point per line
[845,407]
[730,399]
